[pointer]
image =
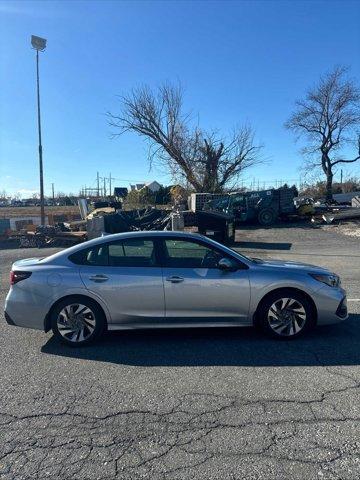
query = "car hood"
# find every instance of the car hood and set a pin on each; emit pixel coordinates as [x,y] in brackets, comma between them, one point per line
[288,264]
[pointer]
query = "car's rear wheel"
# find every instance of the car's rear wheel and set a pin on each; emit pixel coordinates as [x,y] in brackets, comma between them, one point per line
[286,314]
[77,321]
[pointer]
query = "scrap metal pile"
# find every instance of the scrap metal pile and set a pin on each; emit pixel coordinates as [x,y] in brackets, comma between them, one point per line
[145,219]
[218,223]
[103,220]
[58,235]
[100,221]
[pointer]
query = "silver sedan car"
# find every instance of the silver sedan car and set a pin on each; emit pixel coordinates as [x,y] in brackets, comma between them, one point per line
[167,279]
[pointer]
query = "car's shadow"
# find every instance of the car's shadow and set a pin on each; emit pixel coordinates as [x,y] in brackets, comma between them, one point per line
[262,245]
[329,346]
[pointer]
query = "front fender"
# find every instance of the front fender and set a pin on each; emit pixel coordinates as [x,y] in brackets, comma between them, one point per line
[262,285]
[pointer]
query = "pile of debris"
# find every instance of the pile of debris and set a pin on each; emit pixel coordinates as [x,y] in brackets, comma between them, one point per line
[327,213]
[108,220]
[338,214]
[58,235]
[101,221]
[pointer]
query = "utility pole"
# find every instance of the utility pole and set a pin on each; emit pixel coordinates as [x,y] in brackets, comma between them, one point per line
[110,178]
[39,44]
[53,193]
[104,187]
[98,184]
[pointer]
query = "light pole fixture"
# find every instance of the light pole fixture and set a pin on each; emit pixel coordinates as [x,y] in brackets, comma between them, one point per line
[39,44]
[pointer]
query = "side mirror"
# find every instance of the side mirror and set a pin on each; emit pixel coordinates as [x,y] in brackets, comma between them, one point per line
[227,265]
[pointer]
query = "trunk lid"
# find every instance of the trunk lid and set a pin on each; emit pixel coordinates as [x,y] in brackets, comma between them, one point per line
[26,262]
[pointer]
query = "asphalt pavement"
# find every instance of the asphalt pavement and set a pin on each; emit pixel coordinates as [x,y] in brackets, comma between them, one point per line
[189,404]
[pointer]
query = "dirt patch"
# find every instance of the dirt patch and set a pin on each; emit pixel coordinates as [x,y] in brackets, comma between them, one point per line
[351,229]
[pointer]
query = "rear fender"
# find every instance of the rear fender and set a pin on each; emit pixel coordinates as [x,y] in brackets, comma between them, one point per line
[82,292]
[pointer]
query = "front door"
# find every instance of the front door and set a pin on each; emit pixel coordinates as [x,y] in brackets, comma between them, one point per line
[196,290]
[128,278]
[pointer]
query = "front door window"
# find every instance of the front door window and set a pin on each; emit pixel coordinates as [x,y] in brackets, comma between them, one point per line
[185,254]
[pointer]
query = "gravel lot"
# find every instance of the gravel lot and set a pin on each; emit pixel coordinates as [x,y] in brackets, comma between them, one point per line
[197,404]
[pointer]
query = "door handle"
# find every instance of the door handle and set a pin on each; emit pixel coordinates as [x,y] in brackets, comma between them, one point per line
[98,278]
[175,279]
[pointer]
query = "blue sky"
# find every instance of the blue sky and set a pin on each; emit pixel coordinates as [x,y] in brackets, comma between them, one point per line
[239,61]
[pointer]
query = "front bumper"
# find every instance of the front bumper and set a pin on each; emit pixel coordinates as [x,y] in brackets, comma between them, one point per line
[331,305]
[342,311]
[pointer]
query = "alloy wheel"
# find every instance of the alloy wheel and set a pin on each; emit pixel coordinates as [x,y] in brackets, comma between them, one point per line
[287,317]
[76,322]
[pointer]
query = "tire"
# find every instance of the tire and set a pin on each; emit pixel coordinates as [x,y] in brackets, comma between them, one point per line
[77,321]
[285,314]
[266,217]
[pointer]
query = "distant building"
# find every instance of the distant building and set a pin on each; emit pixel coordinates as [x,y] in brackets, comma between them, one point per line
[153,186]
[120,192]
[137,186]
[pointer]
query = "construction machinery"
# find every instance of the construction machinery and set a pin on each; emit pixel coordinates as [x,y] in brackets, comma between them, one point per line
[263,206]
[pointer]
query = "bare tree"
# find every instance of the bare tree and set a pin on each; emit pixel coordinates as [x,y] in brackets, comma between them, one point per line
[3,195]
[206,161]
[328,118]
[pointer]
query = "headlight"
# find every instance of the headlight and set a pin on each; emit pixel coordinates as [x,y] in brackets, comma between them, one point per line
[332,280]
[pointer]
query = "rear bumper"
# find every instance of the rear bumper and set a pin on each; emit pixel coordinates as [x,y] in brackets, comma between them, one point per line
[24,309]
[8,319]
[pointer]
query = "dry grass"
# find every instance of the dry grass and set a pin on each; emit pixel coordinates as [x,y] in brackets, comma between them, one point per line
[7,212]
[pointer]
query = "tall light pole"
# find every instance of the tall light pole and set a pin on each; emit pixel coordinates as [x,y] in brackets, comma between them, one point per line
[110,178]
[39,44]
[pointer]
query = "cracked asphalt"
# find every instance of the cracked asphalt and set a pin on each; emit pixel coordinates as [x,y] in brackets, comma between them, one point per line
[195,404]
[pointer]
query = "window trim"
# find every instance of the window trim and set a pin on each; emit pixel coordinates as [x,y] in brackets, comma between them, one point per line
[199,241]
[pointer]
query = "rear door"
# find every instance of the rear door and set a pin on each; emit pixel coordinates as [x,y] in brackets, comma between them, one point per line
[127,276]
[196,290]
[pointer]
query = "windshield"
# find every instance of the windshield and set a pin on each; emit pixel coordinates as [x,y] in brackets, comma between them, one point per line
[240,256]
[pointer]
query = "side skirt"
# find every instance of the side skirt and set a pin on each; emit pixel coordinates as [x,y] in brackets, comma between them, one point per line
[148,325]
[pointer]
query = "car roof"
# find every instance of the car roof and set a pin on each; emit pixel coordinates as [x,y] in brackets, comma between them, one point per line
[142,233]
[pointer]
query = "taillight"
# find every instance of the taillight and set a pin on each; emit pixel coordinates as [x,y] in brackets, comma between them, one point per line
[17,276]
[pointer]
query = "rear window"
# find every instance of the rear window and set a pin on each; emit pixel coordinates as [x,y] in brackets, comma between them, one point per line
[97,255]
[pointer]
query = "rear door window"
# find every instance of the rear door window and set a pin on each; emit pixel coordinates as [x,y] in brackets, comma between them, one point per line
[132,252]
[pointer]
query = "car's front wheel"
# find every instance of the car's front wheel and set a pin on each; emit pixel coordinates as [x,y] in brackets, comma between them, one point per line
[286,314]
[77,321]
